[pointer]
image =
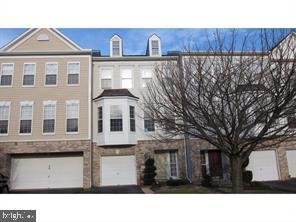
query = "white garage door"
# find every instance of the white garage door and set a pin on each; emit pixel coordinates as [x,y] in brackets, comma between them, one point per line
[291,156]
[47,172]
[118,170]
[263,164]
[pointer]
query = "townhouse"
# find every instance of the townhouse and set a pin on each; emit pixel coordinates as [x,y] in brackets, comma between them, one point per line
[70,117]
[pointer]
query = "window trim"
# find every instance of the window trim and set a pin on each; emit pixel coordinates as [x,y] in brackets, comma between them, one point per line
[49,102]
[147,132]
[132,118]
[177,164]
[132,78]
[8,63]
[112,46]
[23,103]
[78,84]
[145,68]
[112,75]
[102,119]
[120,131]
[48,63]
[67,103]
[3,103]
[29,63]
[158,51]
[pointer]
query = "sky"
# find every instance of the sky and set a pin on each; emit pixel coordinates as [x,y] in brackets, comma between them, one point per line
[134,40]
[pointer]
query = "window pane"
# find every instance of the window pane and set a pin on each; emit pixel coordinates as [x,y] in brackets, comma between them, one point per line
[6,80]
[132,112]
[49,111]
[51,69]
[29,69]
[4,112]
[72,111]
[115,112]
[73,79]
[132,119]
[173,164]
[116,51]
[149,125]
[154,43]
[28,80]
[25,126]
[73,68]
[127,83]
[126,74]
[7,69]
[72,125]
[51,80]
[115,125]
[3,126]
[100,119]
[48,125]
[106,83]
[26,112]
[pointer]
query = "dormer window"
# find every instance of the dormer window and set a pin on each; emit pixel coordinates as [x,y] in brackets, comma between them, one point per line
[116,46]
[155,47]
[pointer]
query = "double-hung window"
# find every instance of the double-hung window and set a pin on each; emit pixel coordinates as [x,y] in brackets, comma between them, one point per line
[4,117]
[100,119]
[148,123]
[115,118]
[173,163]
[155,47]
[146,75]
[51,73]
[126,79]
[132,119]
[49,117]
[26,117]
[116,48]
[29,74]
[106,78]
[6,74]
[72,116]
[73,73]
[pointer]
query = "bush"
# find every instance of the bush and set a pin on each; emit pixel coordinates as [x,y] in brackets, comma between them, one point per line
[149,172]
[207,181]
[247,176]
[176,182]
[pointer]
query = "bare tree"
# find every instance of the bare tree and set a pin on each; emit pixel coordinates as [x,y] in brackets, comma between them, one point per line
[238,94]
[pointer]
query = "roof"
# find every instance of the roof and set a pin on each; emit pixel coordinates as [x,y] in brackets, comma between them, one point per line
[116,92]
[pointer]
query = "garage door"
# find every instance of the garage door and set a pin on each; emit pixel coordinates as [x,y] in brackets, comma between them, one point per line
[291,156]
[46,172]
[118,170]
[263,164]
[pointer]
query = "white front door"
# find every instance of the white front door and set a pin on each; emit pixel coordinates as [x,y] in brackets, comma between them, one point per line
[263,164]
[291,156]
[118,170]
[46,172]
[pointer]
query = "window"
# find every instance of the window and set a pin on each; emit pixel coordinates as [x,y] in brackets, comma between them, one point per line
[115,118]
[116,48]
[126,79]
[146,75]
[6,74]
[132,119]
[173,158]
[26,117]
[29,74]
[49,116]
[4,117]
[148,123]
[51,72]
[73,73]
[155,47]
[100,119]
[106,78]
[72,116]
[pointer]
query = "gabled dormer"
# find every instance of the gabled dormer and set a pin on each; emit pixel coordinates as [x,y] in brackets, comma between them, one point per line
[115,46]
[154,46]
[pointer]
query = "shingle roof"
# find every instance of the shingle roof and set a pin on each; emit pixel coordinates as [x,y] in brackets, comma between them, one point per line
[116,92]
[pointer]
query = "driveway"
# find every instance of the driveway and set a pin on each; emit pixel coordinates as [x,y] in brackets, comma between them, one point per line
[117,190]
[286,185]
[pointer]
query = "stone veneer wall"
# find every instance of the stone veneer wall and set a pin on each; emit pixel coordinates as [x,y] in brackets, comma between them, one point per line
[46,147]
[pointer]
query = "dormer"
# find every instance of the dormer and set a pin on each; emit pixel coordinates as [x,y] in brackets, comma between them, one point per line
[154,46]
[115,46]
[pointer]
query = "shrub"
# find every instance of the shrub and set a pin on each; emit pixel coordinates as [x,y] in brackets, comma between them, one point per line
[176,182]
[247,176]
[149,172]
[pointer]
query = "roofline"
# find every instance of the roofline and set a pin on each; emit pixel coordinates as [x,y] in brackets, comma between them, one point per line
[84,52]
[7,45]
[115,97]
[134,58]
[234,53]
[66,38]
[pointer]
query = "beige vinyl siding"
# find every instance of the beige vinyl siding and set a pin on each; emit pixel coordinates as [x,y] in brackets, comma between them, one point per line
[39,93]
[33,45]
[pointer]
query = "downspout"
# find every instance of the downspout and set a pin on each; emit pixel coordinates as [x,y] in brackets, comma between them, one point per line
[188,167]
[91,124]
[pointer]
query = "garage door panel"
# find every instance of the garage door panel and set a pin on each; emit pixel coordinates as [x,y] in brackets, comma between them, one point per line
[263,164]
[291,157]
[118,170]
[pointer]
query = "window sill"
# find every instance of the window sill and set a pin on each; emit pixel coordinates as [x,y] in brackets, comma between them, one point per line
[25,134]
[48,134]
[72,133]
[5,86]
[28,86]
[2,134]
[50,85]
[73,85]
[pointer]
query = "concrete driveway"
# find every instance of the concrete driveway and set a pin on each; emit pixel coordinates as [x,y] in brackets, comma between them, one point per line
[133,189]
[286,185]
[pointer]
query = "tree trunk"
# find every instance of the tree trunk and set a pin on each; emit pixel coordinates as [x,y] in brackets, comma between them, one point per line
[236,174]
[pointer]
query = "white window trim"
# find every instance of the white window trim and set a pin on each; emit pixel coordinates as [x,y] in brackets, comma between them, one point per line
[116,38]
[112,75]
[69,102]
[49,102]
[109,122]
[49,63]
[145,68]
[129,119]
[23,103]
[78,75]
[177,165]
[6,103]
[103,120]
[11,63]
[132,71]
[29,63]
